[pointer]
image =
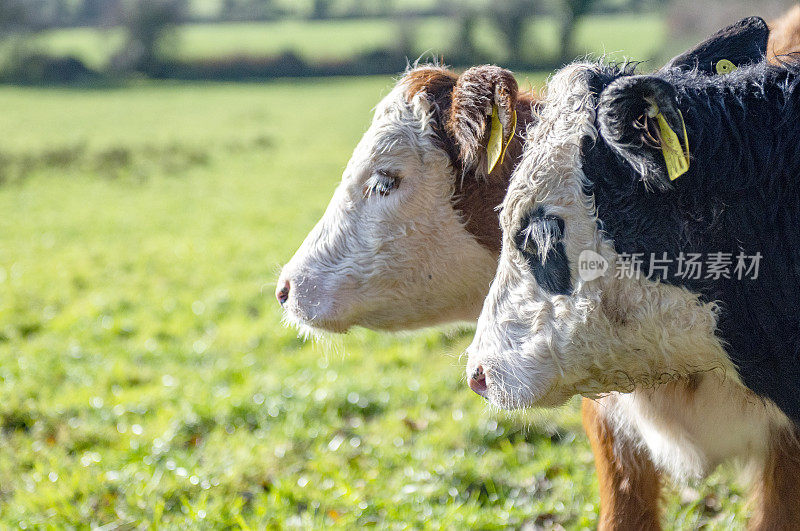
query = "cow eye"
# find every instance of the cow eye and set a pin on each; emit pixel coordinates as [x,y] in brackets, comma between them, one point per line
[381,182]
[538,234]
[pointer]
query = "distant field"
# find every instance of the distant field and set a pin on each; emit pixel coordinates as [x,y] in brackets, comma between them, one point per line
[339,7]
[145,375]
[637,36]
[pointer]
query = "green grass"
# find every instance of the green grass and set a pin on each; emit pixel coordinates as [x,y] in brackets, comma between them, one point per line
[637,36]
[144,374]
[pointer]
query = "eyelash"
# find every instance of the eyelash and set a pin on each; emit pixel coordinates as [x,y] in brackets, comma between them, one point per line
[381,183]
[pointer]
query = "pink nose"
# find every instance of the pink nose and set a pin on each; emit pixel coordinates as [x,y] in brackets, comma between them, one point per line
[477,382]
[282,292]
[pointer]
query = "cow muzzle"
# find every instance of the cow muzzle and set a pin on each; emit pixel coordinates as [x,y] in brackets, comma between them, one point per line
[308,302]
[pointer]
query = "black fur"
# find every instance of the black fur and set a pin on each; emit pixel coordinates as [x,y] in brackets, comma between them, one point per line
[741,193]
[550,266]
[742,43]
[627,101]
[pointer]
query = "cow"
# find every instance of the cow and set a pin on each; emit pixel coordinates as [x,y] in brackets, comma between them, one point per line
[411,238]
[622,173]
[440,117]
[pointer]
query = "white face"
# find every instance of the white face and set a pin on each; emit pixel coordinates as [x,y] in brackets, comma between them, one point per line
[390,252]
[537,347]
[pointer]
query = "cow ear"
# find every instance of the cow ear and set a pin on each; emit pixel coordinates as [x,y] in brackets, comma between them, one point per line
[639,118]
[483,118]
[739,44]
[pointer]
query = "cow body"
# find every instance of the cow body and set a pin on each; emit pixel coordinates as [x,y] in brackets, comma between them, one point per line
[742,195]
[694,370]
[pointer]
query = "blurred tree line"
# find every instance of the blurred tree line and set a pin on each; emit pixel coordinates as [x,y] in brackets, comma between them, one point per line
[148,26]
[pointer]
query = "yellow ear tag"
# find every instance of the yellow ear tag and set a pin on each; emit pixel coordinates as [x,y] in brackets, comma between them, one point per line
[496,148]
[724,66]
[676,157]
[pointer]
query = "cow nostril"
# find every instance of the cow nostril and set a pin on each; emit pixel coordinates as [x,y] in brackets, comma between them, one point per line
[477,382]
[282,294]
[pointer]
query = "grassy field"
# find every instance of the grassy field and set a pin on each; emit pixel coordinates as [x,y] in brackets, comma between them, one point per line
[144,374]
[642,35]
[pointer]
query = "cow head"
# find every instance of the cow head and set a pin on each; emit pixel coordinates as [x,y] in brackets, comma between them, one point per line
[411,236]
[591,188]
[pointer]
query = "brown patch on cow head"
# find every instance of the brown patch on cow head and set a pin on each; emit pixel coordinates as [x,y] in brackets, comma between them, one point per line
[462,107]
[432,80]
[436,83]
[784,36]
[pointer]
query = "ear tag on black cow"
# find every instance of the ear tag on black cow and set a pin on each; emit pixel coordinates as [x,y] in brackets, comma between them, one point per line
[724,66]
[496,148]
[675,155]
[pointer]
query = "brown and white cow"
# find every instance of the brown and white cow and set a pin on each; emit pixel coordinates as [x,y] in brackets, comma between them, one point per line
[411,237]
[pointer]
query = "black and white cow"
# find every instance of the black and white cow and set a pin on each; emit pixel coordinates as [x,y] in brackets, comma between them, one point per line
[599,292]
